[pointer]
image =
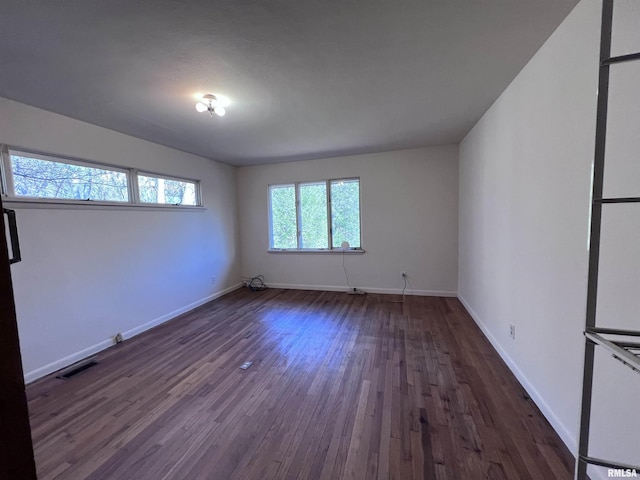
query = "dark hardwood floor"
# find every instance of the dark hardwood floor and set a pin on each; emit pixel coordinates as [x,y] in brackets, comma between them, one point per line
[342,387]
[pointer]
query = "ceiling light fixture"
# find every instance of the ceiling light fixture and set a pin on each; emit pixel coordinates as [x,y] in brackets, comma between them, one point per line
[210,103]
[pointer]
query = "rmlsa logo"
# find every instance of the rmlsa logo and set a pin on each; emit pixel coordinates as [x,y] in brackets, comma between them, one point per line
[622,472]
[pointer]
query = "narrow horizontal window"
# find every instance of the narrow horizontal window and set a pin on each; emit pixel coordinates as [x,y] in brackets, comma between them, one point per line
[167,191]
[39,177]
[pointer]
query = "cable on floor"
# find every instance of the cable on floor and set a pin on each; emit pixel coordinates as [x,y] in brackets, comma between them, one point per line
[256,284]
[345,271]
[403,289]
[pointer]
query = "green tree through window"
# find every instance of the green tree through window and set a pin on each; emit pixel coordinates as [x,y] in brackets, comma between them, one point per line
[345,212]
[166,191]
[283,217]
[313,215]
[327,214]
[50,178]
[34,177]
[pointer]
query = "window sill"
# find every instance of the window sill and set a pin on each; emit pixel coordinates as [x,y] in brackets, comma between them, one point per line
[335,251]
[80,204]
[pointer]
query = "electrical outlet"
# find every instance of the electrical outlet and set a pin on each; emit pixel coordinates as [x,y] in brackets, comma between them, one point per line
[512,331]
[404,275]
[213,280]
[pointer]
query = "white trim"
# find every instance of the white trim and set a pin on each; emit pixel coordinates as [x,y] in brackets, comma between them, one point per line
[6,175]
[66,361]
[59,203]
[53,158]
[147,173]
[565,434]
[103,345]
[329,213]
[8,191]
[343,288]
[296,185]
[144,173]
[569,438]
[339,251]
[153,323]
[410,292]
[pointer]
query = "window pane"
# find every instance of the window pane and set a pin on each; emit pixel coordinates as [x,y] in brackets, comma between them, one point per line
[313,215]
[35,177]
[283,216]
[166,191]
[345,212]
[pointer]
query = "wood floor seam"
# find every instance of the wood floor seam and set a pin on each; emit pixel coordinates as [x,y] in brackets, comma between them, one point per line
[342,387]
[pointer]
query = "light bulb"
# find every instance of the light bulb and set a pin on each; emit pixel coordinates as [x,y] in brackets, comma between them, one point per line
[201,107]
[220,111]
[223,101]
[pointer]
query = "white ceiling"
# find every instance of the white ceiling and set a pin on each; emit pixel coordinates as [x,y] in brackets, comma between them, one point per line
[307,79]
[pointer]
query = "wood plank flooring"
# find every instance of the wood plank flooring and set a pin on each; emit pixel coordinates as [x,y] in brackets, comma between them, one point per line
[342,387]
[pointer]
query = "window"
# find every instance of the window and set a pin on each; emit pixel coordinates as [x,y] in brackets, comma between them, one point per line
[284,232]
[41,177]
[35,177]
[315,215]
[345,212]
[166,190]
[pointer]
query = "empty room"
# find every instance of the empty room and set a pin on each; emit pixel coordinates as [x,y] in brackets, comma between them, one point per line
[320,240]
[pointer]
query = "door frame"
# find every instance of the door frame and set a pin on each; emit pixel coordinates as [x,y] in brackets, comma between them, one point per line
[16,447]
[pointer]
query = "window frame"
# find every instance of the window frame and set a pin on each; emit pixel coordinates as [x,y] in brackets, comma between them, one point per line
[147,173]
[296,204]
[330,248]
[8,194]
[8,170]
[299,213]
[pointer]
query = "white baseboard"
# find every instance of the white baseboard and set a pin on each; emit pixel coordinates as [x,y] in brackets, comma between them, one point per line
[391,291]
[565,434]
[164,318]
[34,375]
[103,345]
[569,438]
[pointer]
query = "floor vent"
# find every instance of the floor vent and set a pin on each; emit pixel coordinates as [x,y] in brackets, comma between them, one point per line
[77,368]
[245,365]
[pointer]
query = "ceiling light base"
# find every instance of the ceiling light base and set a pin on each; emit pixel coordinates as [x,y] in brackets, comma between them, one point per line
[210,103]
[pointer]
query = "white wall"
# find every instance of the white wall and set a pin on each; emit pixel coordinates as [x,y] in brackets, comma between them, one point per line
[88,273]
[409,222]
[525,173]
